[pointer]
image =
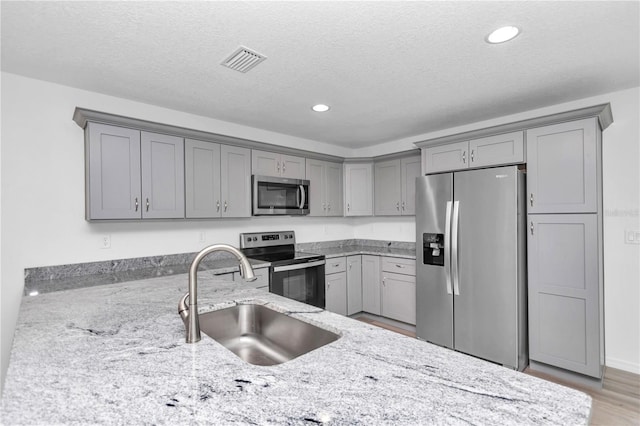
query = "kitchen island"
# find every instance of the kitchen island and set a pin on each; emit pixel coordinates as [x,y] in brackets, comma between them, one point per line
[116,354]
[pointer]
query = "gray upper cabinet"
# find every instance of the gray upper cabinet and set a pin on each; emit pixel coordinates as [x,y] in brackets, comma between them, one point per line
[394,186]
[218,180]
[112,172]
[325,188]
[133,175]
[202,179]
[410,170]
[561,167]
[162,176]
[235,181]
[497,150]
[354,284]
[444,158]
[564,292]
[358,189]
[275,164]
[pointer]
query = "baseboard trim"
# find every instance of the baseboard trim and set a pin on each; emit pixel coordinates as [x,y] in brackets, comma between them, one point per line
[567,375]
[623,365]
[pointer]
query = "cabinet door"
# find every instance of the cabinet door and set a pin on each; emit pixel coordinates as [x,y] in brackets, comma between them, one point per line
[202,179]
[561,168]
[113,172]
[333,189]
[265,163]
[315,174]
[399,297]
[336,293]
[411,169]
[354,284]
[443,158]
[564,294]
[235,178]
[162,176]
[358,184]
[387,188]
[371,284]
[292,167]
[496,150]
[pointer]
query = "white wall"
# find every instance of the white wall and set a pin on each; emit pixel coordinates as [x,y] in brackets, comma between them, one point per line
[42,209]
[42,186]
[621,190]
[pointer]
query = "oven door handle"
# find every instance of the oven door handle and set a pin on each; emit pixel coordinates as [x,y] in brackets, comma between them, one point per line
[298,266]
[303,196]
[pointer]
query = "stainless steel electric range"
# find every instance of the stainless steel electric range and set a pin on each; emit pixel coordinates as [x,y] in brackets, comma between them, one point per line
[296,275]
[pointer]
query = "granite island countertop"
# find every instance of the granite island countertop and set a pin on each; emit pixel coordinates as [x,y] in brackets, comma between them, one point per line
[116,354]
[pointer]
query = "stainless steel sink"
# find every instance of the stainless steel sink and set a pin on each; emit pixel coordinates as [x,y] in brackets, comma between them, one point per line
[262,336]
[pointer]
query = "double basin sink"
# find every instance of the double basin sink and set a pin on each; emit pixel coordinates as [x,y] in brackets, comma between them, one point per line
[262,336]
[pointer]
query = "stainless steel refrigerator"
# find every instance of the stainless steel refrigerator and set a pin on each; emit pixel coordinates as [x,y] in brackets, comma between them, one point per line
[471,277]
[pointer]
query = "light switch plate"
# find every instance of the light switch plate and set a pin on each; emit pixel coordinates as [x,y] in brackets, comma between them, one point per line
[631,236]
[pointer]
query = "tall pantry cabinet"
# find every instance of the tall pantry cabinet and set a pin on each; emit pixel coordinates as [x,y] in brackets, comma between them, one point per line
[565,271]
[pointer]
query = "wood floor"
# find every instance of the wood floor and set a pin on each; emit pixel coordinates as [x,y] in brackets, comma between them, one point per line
[616,404]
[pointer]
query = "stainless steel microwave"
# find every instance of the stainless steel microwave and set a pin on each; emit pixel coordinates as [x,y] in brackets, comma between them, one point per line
[279,196]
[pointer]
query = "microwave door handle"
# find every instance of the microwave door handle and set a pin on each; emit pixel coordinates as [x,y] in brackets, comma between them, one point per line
[303,196]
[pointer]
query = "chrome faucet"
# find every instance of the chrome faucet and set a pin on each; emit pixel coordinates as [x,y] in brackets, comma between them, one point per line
[189,311]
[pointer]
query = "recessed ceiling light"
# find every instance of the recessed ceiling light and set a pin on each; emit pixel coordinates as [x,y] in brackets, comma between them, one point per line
[320,108]
[503,34]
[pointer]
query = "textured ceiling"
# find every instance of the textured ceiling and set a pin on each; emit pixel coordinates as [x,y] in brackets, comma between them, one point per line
[389,70]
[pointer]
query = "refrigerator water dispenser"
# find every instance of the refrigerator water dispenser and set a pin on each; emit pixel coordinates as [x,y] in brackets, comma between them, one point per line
[433,249]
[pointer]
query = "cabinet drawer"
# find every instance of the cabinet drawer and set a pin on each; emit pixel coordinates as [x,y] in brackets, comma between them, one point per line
[399,265]
[334,265]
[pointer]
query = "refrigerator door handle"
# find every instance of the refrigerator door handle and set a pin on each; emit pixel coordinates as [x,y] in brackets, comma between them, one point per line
[447,248]
[454,249]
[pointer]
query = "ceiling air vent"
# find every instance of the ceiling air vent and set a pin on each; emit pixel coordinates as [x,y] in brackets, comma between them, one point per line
[243,59]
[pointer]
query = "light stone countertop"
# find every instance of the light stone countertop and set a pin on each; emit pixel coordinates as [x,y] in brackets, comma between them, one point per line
[116,354]
[350,250]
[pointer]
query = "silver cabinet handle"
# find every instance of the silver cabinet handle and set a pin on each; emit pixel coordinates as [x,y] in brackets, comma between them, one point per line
[348,207]
[147,204]
[531,228]
[384,283]
[399,266]
[324,207]
[278,166]
[225,206]
[531,199]
[403,206]
[398,206]
[284,166]
[454,248]
[336,265]
[137,204]
[472,155]
[447,248]
[328,206]
[217,205]
[464,157]
[350,265]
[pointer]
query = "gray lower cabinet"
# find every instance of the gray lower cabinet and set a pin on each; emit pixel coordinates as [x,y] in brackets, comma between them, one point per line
[399,297]
[132,174]
[217,180]
[354,284]
[371,284]
[562,167]
[399,289]
[336,285]
[325,188]
[565,294]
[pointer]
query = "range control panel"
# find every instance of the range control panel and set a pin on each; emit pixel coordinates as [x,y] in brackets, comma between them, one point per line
[267,239]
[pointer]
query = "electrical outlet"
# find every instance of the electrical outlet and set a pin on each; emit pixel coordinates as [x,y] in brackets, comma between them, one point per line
[202,237]
[631,237]
[106,242]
